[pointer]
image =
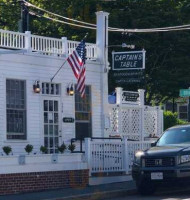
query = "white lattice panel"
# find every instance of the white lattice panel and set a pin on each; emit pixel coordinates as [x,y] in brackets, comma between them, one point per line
[152,121]
[131,123]
[135,122]
[114,120]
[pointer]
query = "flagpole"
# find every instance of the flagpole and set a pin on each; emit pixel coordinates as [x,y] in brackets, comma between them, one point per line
[58,70]
[64,62]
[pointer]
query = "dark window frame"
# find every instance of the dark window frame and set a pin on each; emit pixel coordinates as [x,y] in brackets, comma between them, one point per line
[83,113]
[16,110]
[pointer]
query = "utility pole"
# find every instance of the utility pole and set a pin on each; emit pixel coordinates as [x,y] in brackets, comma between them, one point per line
[188,111]
[24,21]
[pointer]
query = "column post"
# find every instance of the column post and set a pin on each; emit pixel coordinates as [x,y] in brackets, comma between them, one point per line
[102,58]
[64,46]
[28,41]
[88,153]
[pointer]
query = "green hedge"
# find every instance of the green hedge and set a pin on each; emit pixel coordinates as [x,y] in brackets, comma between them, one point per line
[170,119]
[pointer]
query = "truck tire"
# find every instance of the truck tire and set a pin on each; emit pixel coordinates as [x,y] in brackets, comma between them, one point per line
[145,187]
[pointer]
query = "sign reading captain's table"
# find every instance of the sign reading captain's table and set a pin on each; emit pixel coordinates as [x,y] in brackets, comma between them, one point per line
[128,60]
[129,67]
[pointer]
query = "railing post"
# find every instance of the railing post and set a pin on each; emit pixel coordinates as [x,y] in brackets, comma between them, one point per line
[28,41]
[126,156]
[141,97]
[88,153]
[119,123]
[142,123]
[119,91]
[64,46]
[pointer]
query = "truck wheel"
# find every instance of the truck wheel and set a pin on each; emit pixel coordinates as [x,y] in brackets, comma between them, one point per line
[145,187]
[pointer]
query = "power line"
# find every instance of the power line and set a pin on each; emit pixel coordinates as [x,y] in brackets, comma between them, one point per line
[149,30]
[112,29]
[74,20]
[63,22]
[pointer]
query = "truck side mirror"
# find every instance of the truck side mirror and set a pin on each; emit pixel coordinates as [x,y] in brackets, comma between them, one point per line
[153,144]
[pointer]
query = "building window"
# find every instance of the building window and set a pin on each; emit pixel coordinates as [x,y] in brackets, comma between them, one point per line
[183,112]
[83,116]
[16,109]
[51,88]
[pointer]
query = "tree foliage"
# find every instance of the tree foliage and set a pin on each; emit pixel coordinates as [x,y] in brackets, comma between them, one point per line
[171,119]
[167,53]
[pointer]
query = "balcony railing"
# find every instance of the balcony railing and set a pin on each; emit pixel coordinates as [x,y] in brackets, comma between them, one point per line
[43,45]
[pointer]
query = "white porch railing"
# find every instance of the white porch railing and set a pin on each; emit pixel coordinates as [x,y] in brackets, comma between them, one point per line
[46,45]
[13,40]
[43,45]
[112,155]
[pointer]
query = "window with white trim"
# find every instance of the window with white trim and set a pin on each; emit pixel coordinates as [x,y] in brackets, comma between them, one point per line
[16,108]
[51,88]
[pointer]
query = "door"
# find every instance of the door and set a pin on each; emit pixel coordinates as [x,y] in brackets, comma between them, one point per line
[51,122]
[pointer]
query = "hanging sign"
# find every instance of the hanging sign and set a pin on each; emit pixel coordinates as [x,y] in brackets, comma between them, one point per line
[131,96]
[129,77]
[128,60]
[128,67]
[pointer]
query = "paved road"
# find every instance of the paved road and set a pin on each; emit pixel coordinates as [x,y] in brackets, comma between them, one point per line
[171,195]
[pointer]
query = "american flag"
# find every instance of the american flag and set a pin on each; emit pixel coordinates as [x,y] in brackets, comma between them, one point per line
[77,62]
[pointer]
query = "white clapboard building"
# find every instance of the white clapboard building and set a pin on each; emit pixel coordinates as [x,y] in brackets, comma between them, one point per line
[52,116]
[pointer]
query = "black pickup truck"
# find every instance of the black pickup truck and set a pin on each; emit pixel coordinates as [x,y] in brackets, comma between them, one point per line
[167,161]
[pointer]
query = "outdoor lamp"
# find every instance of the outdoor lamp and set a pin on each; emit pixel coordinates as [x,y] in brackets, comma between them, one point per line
[36,87]
[70,90]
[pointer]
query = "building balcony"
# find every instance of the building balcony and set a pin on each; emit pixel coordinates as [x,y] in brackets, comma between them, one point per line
[43,45]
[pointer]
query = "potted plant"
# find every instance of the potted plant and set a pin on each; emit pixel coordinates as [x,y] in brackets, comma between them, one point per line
[28,148]
[71,147]
[43,149]
[62,148]
[7,150]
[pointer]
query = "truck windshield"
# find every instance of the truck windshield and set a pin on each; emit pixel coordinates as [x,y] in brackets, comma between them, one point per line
[175,136]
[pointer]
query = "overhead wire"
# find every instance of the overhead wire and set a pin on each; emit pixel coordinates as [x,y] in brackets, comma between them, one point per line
[74,20]
[112,29]
[63,22]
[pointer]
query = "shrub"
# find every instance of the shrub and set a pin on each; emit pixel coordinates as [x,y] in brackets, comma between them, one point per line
[43,149]
[7,149]
[170,119]
[28,148]
[62,148]
[71,147]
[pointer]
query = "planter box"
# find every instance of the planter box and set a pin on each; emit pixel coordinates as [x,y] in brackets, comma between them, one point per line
[38,159]
[8,160]
[69,157]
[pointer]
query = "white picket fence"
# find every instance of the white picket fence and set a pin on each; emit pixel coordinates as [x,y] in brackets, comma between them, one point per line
[43,45]
[112,155]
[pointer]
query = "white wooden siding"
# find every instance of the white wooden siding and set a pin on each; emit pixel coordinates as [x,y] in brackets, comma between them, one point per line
[36,67]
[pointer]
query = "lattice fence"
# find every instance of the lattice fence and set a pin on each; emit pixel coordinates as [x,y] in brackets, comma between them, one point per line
[135,122]
[153,121]
[131,122]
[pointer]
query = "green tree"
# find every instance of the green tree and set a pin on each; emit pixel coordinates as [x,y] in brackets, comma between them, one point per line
[167,53]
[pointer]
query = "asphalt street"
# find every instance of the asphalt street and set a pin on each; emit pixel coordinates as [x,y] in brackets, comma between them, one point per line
[170,195]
